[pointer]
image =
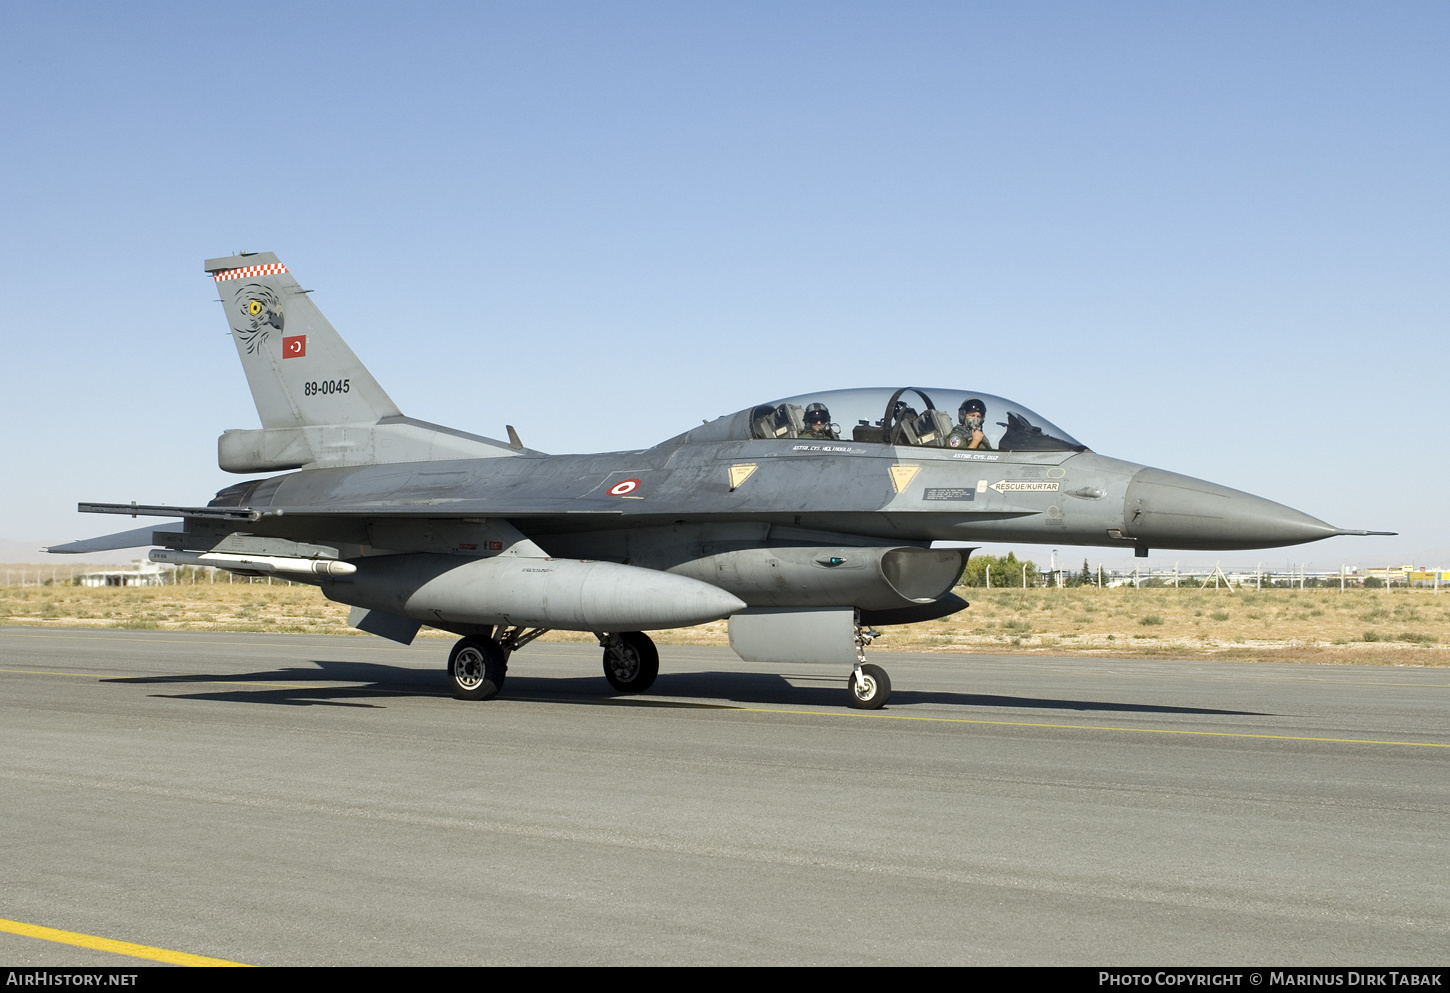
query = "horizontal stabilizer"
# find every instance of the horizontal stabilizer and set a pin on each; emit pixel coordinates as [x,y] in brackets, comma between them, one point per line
[135,538]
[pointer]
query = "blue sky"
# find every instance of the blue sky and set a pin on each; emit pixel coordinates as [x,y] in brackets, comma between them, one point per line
[1207,237]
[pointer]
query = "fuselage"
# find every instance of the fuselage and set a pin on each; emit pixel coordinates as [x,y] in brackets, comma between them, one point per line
[756,505]
[575,505]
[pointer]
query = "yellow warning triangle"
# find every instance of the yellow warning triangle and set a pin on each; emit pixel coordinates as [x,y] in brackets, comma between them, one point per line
[740,473]
[902,475]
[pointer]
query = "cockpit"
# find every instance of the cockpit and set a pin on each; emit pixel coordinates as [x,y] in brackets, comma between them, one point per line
[908,416]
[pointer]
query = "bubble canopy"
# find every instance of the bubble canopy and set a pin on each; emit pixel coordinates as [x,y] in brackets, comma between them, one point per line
[925,417]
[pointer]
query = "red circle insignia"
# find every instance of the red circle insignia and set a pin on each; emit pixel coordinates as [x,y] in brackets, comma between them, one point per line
[622,488]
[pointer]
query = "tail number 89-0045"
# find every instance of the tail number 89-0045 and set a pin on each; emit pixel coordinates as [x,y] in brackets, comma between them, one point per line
[326,386]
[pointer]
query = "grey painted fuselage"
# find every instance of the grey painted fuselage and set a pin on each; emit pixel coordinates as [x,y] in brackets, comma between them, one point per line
[795,494]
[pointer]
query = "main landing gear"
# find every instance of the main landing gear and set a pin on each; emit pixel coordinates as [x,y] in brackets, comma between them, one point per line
[869,687]
[477,665]
[476,668]
[631,661]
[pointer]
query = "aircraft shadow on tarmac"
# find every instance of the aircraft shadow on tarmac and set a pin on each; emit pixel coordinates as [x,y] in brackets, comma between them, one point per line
[730,689]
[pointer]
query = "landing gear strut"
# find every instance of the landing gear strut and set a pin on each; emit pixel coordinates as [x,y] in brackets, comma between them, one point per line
[869,687]
[631,661]
[476,668]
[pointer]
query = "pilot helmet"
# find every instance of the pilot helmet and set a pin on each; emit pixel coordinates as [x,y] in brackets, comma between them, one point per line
[972,407]
[817,412]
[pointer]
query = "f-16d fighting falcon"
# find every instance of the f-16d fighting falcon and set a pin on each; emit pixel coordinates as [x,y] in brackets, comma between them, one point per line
[806,521]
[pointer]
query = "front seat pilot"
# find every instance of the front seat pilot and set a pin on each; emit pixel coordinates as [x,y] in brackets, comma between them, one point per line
[968,432]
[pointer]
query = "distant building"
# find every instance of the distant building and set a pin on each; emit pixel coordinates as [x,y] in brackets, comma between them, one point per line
[139,574]
[1408,575]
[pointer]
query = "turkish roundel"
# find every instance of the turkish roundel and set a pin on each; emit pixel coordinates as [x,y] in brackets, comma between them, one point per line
[294,347]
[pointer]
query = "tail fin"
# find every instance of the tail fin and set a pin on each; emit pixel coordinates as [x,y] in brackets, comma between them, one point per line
[300,370]
[318,405]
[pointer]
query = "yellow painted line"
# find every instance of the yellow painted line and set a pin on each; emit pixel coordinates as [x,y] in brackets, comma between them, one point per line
[156,680]
[110,945]
[1095,727]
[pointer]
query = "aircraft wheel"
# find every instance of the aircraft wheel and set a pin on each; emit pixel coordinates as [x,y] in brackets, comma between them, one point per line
[476,668]
[631,662]
[871,690]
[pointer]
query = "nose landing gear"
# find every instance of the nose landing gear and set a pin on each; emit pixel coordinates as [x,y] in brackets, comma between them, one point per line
[869,687]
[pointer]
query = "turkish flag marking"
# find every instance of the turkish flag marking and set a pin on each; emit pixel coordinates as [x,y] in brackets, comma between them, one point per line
[294,347]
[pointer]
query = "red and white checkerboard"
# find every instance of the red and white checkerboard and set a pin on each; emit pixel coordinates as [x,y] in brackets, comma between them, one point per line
[250,270]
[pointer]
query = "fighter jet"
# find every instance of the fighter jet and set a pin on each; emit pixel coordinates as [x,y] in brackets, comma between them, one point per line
[806,521]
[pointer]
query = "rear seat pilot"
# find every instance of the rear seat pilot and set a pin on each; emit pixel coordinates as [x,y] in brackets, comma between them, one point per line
[818,424]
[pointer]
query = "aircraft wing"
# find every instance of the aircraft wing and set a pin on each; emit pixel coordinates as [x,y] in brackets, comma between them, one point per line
[136,538]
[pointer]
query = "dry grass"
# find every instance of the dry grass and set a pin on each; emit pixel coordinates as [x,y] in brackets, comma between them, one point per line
[1399,626]
[238,607]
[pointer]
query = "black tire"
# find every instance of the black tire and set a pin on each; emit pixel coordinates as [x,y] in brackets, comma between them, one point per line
[636,666]
[872,691]
[476,669]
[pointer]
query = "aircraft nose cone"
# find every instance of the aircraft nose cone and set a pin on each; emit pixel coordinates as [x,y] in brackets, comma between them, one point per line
[1166,510]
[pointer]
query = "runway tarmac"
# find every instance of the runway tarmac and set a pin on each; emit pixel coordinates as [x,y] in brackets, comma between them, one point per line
[275,799]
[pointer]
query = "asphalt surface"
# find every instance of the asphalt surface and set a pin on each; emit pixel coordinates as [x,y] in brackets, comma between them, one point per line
[322,800]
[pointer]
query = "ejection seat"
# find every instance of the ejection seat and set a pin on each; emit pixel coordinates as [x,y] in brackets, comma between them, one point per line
[784,421]
[931,429]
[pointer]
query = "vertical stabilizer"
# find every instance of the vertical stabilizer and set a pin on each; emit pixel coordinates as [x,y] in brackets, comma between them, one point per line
[300,370]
